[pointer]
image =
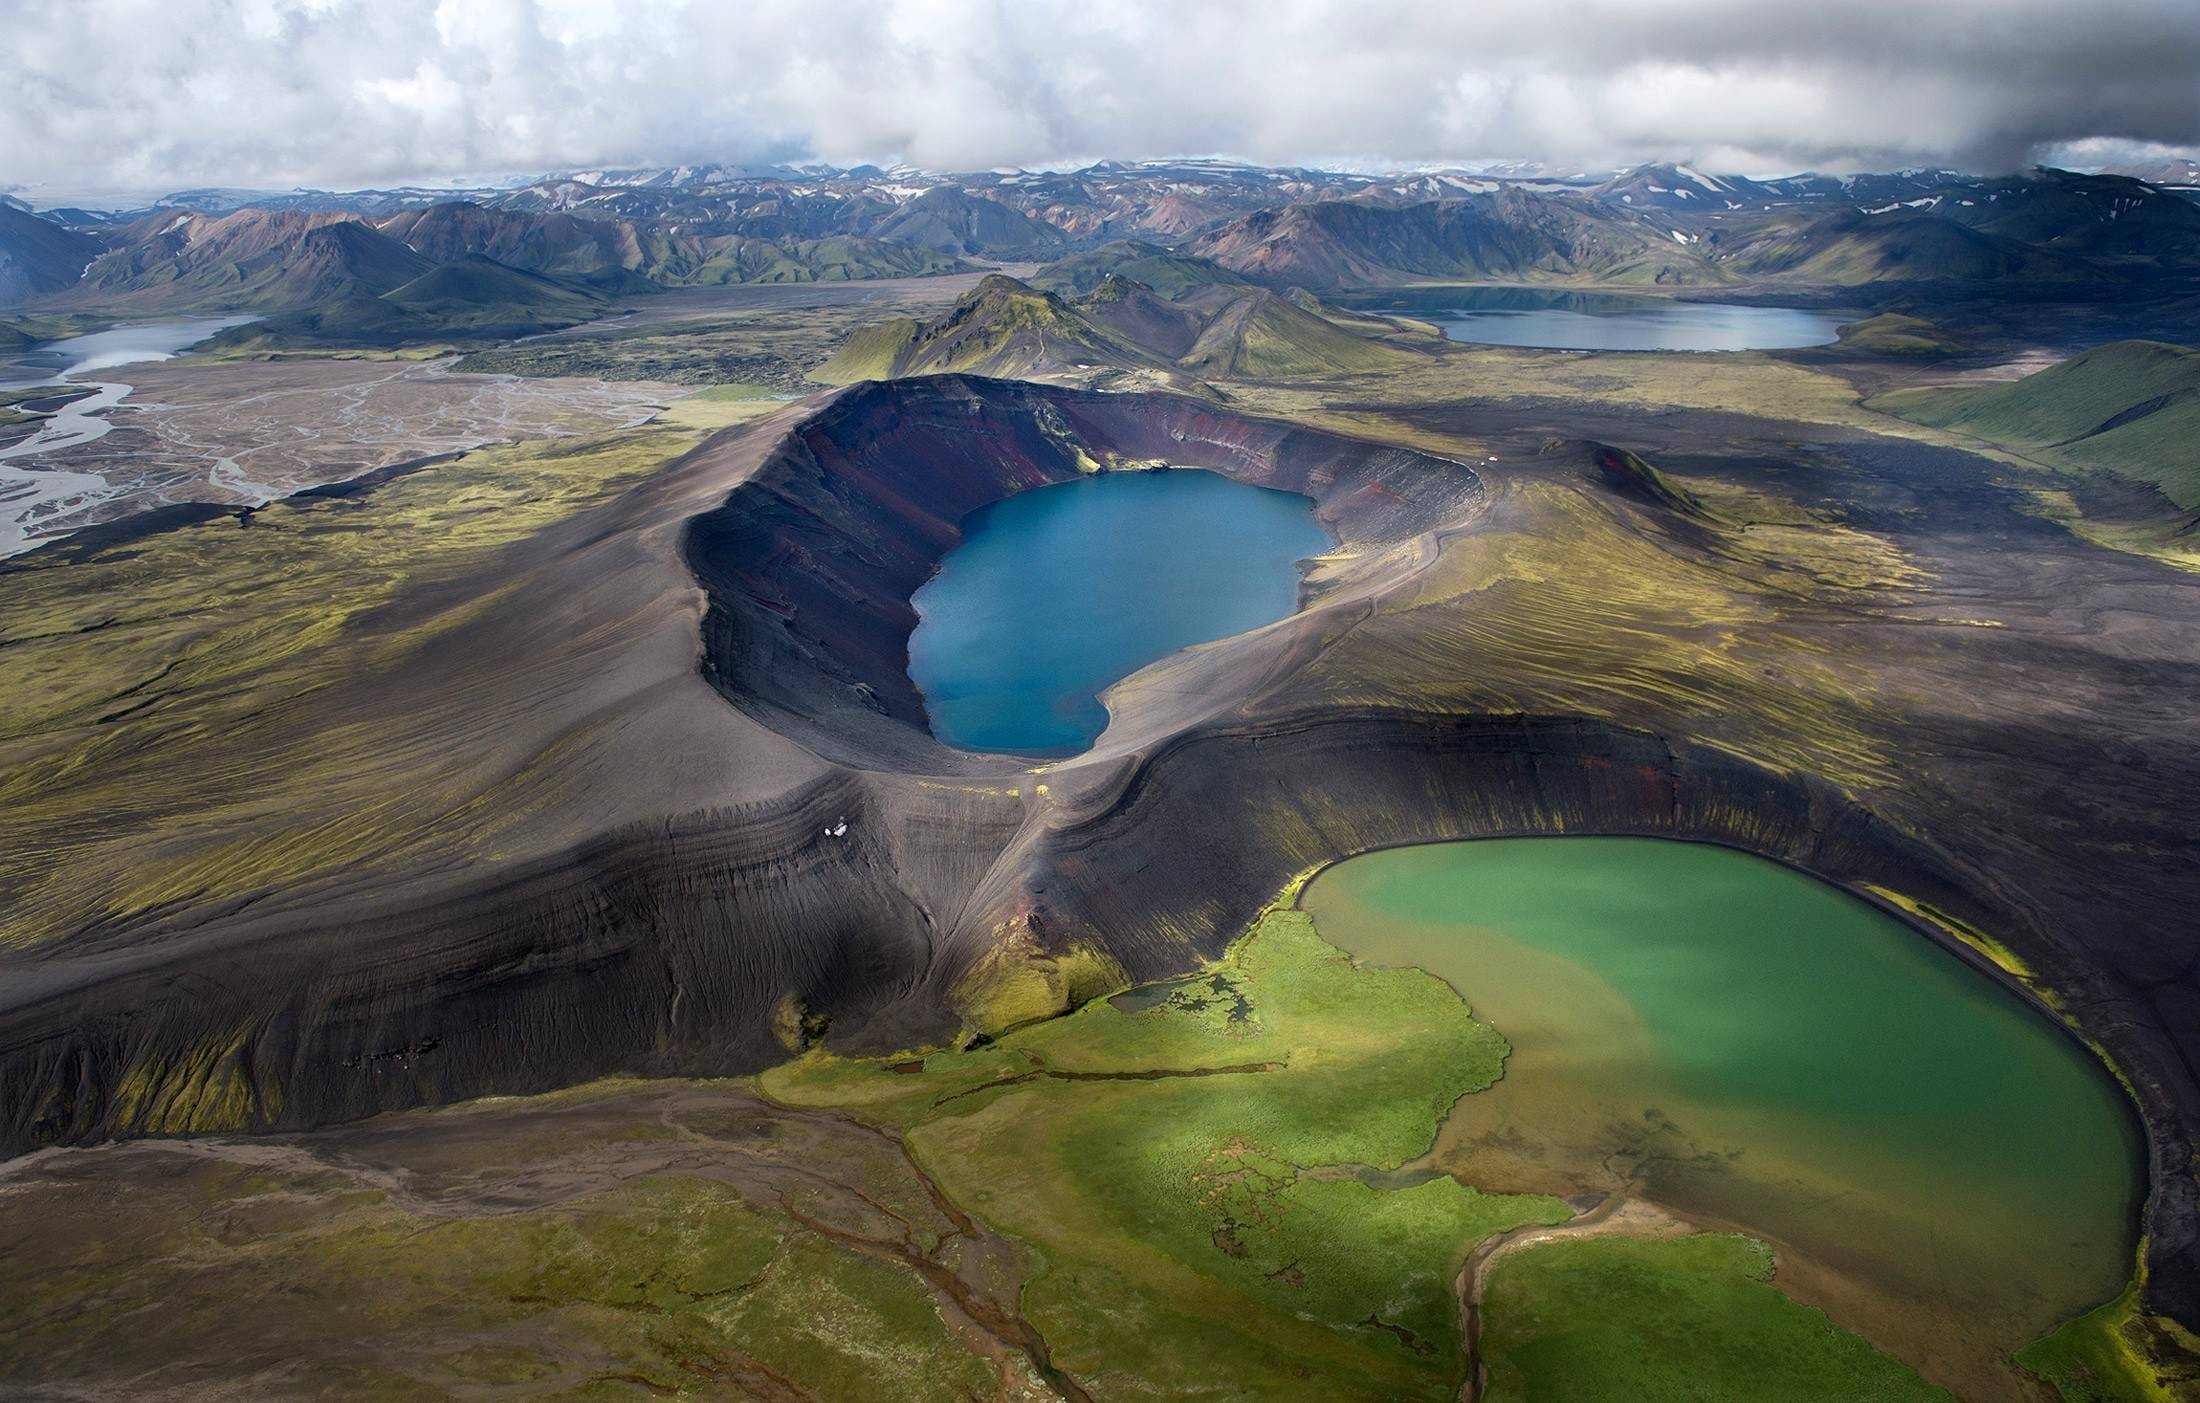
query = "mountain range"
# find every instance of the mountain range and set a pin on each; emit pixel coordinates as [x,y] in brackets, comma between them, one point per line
[582,239]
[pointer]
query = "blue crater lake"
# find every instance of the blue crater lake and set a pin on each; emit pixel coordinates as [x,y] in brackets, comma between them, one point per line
[1056,593]
[1599,321]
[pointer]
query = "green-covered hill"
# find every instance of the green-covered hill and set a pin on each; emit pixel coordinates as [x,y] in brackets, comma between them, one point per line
[1513,235]
[2131,408]
[1169,274]
[1902,245]
[1898,334]
[1255,334]
[1002,327]
[470,299]
[1220,331]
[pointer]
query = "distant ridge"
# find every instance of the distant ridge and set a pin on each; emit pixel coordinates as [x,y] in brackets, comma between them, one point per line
[1008,328]
[1512,234]
[38,256]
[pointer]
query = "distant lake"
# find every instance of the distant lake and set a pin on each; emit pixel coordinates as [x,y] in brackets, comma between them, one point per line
[104,350]
[33,493]
[1603,321]
[1057,593]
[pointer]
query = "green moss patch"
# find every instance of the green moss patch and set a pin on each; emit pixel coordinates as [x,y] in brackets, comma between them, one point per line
[1675,1319]
[1195,1165]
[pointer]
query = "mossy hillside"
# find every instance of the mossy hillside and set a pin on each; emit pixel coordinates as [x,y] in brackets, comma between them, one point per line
[870,352]
[666,1285]
[1008,328]
[1258,335]
[2118,1354]
[1181,1159]
[1017,983]
[1169,274]
[1897,334]
[1628,472]
[1003,327]
[211,645]
[1685,1318]
[2130,408]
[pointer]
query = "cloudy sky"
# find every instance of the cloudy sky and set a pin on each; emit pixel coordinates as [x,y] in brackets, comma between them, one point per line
[132,95]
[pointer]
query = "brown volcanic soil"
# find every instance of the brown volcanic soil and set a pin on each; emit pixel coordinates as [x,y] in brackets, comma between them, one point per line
[1930,692]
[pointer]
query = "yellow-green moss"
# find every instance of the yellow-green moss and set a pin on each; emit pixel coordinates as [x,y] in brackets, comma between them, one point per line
[2119,1354]
[207,1087]
[1018,982]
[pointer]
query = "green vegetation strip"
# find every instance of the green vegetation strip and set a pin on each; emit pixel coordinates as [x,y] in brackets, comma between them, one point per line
[1205,1173]
[1675,1319]
[2130,409]
[1194,1190]
[2118,1354]
[1185,1172]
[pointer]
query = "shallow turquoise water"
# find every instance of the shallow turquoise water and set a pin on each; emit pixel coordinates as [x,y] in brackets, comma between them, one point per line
[1577,321]
[1738,1040]
[1057,593]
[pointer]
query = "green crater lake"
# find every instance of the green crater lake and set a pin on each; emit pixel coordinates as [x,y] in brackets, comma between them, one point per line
[1938,1166]
[1057,593]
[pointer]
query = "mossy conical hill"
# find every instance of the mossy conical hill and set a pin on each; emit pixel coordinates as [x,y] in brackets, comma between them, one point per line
[1221,331]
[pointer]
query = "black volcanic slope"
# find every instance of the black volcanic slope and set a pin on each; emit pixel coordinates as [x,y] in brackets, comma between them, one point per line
[747,816]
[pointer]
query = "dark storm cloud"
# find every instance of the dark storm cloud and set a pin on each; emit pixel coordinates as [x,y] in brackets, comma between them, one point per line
[139,94]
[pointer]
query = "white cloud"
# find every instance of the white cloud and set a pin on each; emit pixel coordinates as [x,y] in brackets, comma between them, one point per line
[146,94]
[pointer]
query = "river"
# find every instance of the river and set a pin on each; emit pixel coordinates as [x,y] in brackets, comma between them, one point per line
[29,492]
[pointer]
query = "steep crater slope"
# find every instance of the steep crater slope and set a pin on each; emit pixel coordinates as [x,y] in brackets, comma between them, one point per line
[810,564]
